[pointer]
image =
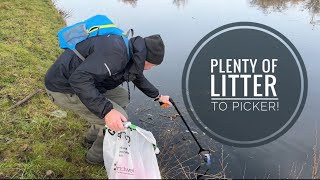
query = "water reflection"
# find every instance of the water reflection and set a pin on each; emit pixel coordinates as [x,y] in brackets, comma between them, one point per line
[314,9]
[133,3]
[180,3]
[274,5]
[268,6]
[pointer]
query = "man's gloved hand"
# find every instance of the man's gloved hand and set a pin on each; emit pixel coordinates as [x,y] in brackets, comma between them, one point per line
[114,120]
[164,101]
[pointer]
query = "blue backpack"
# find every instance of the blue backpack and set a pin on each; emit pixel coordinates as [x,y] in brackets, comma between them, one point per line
[70,36]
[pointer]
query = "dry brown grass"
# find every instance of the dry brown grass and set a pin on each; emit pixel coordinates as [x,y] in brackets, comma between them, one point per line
[63,13]
[316,158]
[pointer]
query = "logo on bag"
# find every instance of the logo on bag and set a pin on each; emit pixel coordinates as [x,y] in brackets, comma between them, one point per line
[120,135]
[123,170]
[244,84]
[111,132]
[125,136]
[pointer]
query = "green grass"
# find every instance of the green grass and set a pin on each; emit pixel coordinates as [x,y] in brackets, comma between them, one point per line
[31,141]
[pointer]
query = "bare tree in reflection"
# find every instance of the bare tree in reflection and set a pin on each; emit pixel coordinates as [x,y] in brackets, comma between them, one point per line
[133,3]
[180,3]
[314,9]
[268,6]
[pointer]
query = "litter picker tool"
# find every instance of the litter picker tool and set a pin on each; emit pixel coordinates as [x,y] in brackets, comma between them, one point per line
[203,153]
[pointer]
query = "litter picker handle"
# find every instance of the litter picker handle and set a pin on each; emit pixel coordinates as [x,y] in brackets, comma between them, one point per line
[172,102]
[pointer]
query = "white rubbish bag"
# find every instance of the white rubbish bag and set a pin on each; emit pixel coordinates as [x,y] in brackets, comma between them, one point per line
[130,154]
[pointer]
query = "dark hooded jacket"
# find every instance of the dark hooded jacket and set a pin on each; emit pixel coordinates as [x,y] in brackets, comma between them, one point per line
[106,66]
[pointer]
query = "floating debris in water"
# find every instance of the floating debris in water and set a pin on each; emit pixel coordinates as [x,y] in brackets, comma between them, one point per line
[170,117]
[194,132]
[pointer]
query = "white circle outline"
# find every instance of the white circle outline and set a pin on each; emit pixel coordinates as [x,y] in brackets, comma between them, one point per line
[292,53]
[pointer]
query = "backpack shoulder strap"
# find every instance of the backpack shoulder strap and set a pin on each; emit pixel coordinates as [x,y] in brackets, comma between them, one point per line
[126,40]
[128,33]
[78,54]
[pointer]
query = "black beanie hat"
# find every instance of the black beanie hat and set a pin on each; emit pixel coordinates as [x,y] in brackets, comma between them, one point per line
[155,49]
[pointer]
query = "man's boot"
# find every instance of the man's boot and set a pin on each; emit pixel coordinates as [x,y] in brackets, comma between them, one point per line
[91,136]
[95,153]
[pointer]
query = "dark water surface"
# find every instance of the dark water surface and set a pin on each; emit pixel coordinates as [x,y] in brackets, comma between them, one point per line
[182,23]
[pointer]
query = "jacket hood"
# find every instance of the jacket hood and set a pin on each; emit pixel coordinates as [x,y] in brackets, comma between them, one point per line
[138,53]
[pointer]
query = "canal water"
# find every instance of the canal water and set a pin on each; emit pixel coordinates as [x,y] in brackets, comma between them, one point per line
[182,23]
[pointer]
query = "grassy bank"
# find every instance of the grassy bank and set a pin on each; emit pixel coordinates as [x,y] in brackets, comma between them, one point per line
[34,144]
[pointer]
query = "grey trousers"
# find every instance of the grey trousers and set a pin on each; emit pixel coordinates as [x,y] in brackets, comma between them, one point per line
[118,97]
